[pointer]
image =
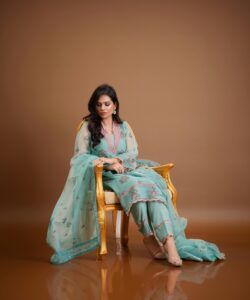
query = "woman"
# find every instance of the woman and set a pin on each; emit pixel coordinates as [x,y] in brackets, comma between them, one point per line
[105,139]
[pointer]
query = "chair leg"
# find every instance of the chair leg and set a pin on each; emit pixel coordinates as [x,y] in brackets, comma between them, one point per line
[114,218]
[102,250]
[98,255]
[124,229]
[118,222]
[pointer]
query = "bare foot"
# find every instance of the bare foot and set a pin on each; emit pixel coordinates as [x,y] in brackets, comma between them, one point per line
[172,254]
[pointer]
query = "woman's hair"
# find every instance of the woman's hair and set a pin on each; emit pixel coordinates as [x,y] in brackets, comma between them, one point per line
[94,121]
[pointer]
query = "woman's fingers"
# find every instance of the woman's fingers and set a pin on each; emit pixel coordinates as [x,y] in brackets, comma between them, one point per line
[118,168]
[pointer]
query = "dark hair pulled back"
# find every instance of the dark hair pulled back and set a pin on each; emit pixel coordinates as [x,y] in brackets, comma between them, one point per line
[94,120]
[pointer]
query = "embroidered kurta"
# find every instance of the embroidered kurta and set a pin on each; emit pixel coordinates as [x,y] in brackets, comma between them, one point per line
[73,228]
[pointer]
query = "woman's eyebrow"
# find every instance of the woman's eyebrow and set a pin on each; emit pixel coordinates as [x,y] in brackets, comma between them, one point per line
[104,102]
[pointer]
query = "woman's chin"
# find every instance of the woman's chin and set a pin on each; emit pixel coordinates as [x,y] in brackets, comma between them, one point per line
[105,116]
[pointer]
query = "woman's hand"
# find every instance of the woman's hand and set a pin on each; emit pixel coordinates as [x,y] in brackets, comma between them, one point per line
[110,161]
[97,162]
[119,168]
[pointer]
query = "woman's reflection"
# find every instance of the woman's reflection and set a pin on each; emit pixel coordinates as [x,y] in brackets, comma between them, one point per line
[161,282]
[126,277]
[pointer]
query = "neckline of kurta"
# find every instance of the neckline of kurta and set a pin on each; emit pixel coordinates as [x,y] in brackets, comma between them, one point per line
[113,145]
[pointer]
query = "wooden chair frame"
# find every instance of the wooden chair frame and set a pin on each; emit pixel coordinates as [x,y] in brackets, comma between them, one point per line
[102,207]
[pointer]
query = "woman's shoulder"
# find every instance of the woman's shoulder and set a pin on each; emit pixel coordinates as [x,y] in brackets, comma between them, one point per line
[123,125]
[126,125]
[82,128]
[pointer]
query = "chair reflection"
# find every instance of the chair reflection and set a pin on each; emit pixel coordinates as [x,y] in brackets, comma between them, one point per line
[126,277]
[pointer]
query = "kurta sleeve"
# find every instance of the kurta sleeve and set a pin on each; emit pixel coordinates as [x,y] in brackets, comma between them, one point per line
[128,158]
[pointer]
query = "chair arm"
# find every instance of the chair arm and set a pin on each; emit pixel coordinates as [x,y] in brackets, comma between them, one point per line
[99,187]
[164,171]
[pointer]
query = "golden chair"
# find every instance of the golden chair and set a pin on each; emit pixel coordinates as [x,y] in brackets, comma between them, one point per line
[108,201]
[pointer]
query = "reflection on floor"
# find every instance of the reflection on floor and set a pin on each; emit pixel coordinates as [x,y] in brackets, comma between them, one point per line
[125,273]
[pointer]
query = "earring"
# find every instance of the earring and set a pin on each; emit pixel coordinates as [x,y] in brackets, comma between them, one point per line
[114,112]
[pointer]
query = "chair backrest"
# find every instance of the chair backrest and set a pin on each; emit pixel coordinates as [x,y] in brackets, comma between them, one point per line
[80,125]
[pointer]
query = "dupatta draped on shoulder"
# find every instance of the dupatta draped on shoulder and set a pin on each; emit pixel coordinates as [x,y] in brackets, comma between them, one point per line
[73,228]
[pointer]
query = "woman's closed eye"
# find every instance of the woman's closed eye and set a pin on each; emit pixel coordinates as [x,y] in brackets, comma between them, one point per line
[107,104]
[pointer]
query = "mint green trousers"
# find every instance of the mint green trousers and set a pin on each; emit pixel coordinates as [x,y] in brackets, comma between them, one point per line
[152,218]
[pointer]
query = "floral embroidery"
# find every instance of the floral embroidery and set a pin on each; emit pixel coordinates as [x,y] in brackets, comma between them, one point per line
[153,192]
[144,200]
[68,224]
[163,222]
[122,133]
[123,179]
[102,153]
[74,242]
[144,226]
[132,188]
[135,194]
[122,151]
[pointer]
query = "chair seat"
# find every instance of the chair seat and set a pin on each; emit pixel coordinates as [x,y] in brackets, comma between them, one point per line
[111,198]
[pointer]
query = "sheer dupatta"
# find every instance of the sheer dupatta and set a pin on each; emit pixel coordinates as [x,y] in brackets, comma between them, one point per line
[73,228]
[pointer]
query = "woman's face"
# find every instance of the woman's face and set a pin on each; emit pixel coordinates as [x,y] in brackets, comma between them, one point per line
[105,107]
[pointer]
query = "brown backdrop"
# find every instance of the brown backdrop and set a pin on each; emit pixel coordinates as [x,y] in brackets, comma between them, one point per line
[181,71]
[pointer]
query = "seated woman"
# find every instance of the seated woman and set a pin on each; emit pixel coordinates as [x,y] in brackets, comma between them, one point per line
[105,139]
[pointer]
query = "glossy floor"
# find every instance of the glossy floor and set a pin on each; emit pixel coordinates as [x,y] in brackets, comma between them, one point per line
[124,273]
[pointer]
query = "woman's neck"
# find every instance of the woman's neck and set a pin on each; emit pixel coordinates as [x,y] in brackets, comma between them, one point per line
[107,124]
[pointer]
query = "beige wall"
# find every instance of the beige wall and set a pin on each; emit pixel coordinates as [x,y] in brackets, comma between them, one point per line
[181,71]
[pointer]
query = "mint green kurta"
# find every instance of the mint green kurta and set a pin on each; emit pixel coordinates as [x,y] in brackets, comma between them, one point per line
[73,228]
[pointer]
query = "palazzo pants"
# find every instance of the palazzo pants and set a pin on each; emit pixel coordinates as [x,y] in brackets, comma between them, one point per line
[152,218]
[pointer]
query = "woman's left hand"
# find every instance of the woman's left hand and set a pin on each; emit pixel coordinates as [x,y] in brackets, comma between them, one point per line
[119,168]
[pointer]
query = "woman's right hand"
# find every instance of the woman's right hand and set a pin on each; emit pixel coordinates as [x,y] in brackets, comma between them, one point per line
[109,160]
[103,160]
[97,161]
